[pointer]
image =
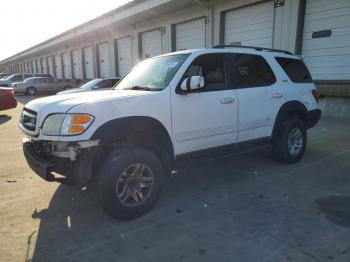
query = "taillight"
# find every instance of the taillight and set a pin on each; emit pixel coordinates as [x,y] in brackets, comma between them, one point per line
[316,94]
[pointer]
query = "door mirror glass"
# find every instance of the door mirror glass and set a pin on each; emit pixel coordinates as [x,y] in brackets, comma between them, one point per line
[192,83]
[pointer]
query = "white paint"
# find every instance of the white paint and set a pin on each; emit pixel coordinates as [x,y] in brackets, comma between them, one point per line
[251,25]
[151,43]
[103,56]
[124,57]
[88,62]
[191,34]
[327,58]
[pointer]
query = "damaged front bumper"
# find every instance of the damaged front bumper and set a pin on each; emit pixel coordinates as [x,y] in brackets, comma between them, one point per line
[73,161]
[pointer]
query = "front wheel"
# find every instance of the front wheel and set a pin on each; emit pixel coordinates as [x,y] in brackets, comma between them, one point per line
[31,91]
[290,143]
[129,182]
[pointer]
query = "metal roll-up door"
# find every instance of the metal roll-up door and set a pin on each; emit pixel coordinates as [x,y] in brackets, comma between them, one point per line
[88,62]
[326,39]
[66,70]
[103,60]
[43,65]
[151,43]
[251,25]
[124,55]
[58,67]
[76,64]
[191,34]
[50,65]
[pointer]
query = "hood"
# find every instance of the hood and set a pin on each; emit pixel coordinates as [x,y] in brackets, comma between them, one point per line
[4,81]
[62,103]
[73,90]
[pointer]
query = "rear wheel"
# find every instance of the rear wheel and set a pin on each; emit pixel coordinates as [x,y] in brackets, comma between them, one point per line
[290,142]
[31,91]
[129,182]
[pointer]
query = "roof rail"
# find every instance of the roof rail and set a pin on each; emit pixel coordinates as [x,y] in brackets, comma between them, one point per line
[254,47]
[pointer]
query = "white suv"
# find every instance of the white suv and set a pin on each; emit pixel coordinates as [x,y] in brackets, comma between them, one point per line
[169,108]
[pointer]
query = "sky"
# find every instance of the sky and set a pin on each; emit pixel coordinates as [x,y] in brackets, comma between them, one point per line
[25,23]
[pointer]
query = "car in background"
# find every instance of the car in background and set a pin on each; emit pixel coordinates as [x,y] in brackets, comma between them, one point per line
[43,75]
[9,80]
[7,98]
[3,75]
[94,85]
[34,85]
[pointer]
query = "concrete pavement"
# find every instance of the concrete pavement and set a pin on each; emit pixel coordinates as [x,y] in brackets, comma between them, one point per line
[241,208]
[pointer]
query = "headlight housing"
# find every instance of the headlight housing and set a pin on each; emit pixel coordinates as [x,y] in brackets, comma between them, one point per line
[66,124]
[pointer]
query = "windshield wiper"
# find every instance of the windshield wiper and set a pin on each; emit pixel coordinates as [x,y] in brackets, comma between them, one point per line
[143,88]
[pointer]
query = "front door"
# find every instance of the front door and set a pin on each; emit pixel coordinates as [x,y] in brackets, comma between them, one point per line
[206,118]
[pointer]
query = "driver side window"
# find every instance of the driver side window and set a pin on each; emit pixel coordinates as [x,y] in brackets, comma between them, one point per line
[212,68]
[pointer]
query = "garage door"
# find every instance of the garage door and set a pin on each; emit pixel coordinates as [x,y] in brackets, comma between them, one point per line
[32,67]
[189,35]
[76,64]
[88,62]
[124,55]
[43,65]
[151,43]
[252,25]
[66,70]
[103,56]
[58,67]
[326,39]
[50,65]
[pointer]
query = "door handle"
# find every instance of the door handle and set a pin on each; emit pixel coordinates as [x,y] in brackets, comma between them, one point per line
[227,100]
[277,95]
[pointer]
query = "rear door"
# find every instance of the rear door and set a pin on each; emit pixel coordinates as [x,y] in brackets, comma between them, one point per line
[260,95]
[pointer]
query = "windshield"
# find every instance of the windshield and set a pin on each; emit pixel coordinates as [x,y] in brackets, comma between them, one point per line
[152,74]
[90,84]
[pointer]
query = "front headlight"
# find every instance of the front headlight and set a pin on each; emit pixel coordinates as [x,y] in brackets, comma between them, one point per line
[66,124]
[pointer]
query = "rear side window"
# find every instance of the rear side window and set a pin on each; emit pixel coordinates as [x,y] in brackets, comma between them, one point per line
[295,69]
[251,71]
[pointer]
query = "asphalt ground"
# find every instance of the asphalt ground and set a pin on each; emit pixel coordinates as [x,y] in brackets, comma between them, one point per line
[246,207]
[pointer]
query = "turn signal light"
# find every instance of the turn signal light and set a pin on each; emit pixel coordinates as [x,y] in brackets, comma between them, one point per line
[74,129]
[80,119]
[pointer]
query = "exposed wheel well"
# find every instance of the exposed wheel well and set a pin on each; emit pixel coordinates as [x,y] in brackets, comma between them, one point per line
[291,109]
[143,132]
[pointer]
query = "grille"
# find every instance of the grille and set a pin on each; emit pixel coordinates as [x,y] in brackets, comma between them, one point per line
[28,119]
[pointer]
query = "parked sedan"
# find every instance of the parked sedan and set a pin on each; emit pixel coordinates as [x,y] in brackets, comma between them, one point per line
[9,80]
[93,85]
[33,85]
[3,75]
[7,98]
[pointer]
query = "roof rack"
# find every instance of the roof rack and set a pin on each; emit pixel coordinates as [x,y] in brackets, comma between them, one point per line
[254,47]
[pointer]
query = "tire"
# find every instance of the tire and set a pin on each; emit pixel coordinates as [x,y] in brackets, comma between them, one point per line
[290,142]
[31,91]
[111,182]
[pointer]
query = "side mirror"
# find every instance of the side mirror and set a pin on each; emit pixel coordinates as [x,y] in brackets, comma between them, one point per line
[192,83]
[94,87]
